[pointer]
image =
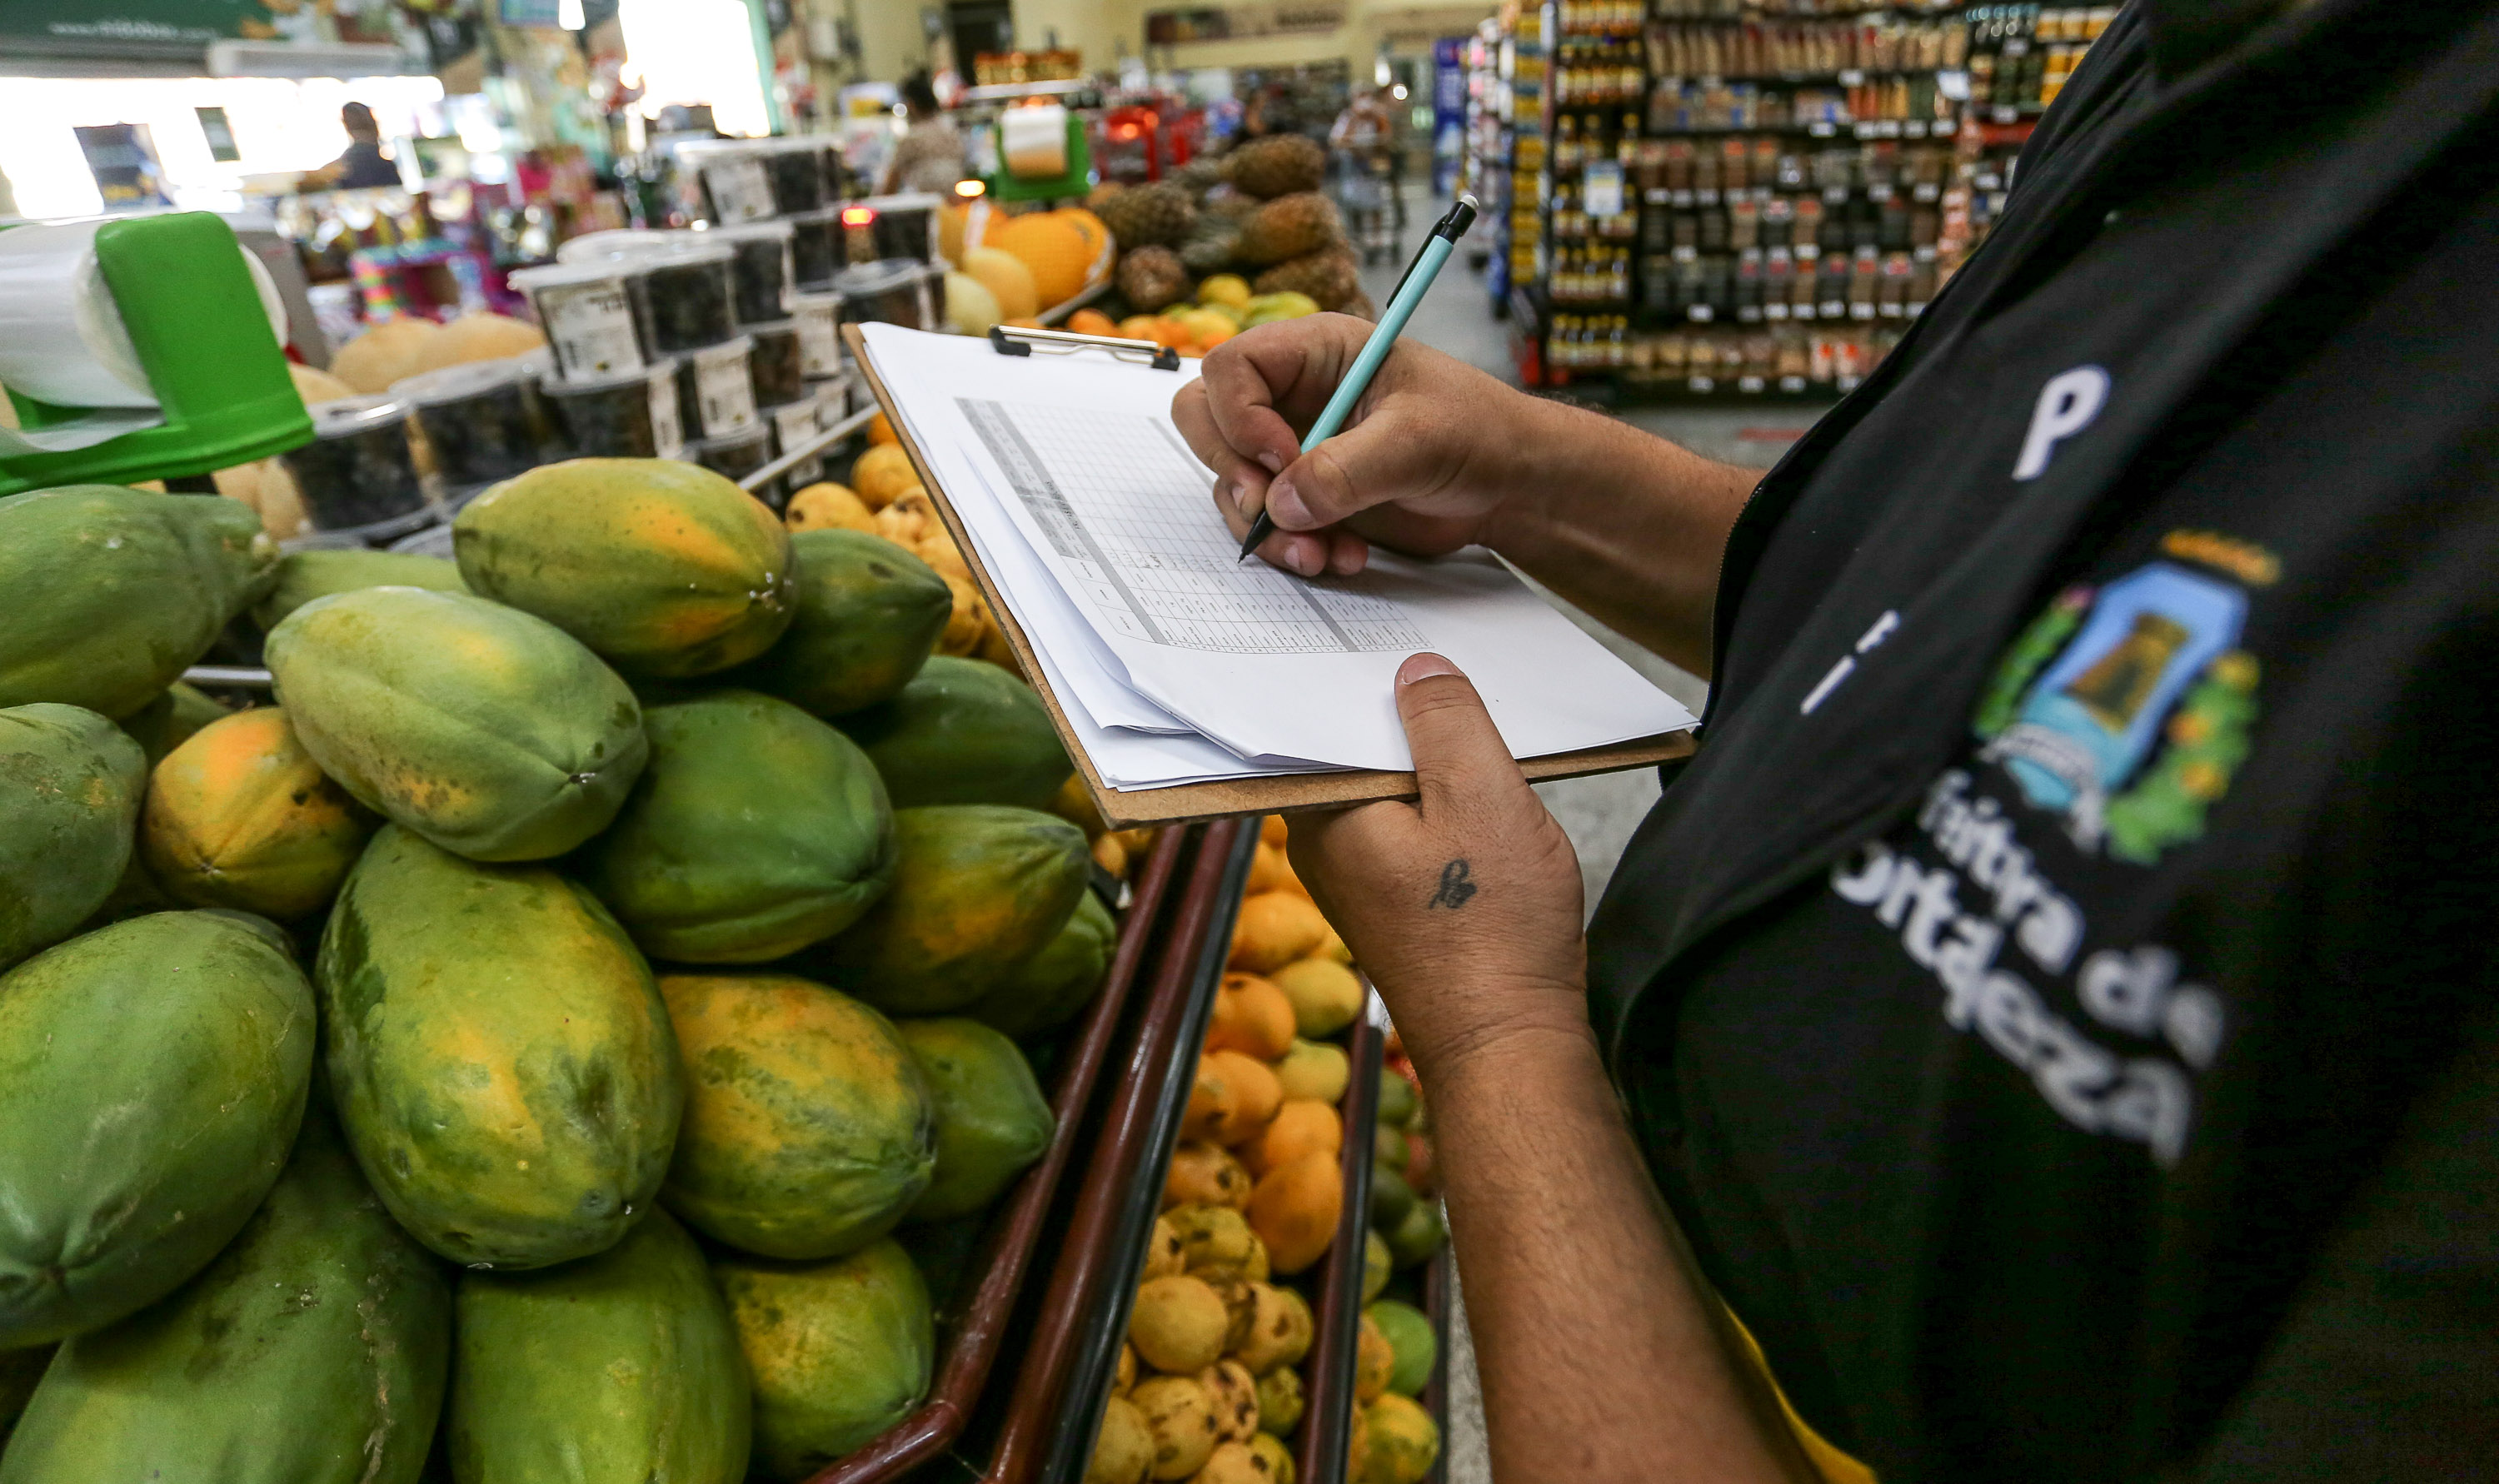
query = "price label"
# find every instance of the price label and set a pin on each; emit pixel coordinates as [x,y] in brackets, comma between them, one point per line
[2017,45]
[667,432]
[1890,311]
[1774,311]
[1914,308]
[1865,129]
[1821,128]
[723,389]
[1790,383]
[1878,192]
[1852,78]
[1702,313]
[1889,128]
[1701,384]
[1807,252]
[1915,128]
[1706,195]
[1954,84]
[1836,308]
[1683,197]
[1924,191]
[1601,188]
[2006,114]
[1803,311]
[1750,313]
[1834,194]
[819,342]
[1753,384]
[739,190]
[1861,312]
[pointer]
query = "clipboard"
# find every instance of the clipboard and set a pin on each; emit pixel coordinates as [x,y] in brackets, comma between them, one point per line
[1224,798]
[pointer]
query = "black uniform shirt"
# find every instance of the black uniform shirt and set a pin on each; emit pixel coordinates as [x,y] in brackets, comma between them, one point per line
[2058,1000]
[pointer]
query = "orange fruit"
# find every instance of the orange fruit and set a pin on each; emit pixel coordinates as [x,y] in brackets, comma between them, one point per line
[1301,1126]
[1092,322]
[879,431]
[1251,1017]
[883,474]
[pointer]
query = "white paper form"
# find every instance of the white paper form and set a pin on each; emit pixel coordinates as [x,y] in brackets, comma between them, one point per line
[1080,455]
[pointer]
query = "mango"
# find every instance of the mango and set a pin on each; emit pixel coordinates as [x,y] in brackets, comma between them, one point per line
[867,612]
[501,1061]
[1404,1442]
[1182,1419]
[977,889]
[1274,1460]
[964,731]
[172,719]
[992,1121]
[1275,928]
[1301,1126]
[1216,1243]
[660,566]
[242,817]
[312,1351]
[1204,1174]
[1295,1210]
[620,1367]
[1164,1254]
[840,1351]
[1123,1447]
[188,1023]
[809,1127]
[1314,1070]
[1179,1323]
[1418,1236]
[1411,1339]
[1375,1265]
[1279,1401]
[304,575]
[489,732]
[1326,995]
[1048,989]
[1251,1017]
[113,592]
[72,783]
[1229,1385]
[754,831]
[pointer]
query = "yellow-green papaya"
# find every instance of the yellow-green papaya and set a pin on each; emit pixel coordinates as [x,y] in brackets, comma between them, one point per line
[242,817]
[113,592]
[992,1121]
[808,1128]
[664,568]
[868,614]
[70,788]
[840,1351]
[171,720]
[977,889]
[1045,991]
[755,830]
[153,1075]
[312,1351]
[489,732]
[304,575]
[618,1369]
[964,731]
[1404,1440]
[503,1065]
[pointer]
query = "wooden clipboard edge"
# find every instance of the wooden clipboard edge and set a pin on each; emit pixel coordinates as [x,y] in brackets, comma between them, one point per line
[1226,798]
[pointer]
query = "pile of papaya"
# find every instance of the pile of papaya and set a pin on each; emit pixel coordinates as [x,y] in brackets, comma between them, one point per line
[574,1033]
[1251,1201]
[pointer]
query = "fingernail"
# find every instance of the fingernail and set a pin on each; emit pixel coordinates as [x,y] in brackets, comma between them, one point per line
[1245,500]
[1284,504]
[1424,667]
[1275,463]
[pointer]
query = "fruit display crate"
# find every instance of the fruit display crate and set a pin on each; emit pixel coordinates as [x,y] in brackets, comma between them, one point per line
[1067,1330]
[971,1345]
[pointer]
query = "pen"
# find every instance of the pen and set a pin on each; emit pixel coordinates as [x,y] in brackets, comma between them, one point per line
[1437,246]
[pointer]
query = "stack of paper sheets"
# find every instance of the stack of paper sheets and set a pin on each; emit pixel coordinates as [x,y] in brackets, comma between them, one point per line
[1173,663]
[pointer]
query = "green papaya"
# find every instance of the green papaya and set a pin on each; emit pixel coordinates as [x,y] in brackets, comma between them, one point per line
[664,568]
[1410,1333]
[312,1351]
[169,720]
[977,889]
[70,787]
[964,731]
[153,1075]
[840,1351]
[1045,991]
[620,1367]
[992,1121]
[113,592]
[304,575]
[489,732]
[867,613]
[755,830]
[1418,1235]
[502,1064]
[808,1129]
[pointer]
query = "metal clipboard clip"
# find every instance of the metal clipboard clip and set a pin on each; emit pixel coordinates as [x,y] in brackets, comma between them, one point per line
[1024,340]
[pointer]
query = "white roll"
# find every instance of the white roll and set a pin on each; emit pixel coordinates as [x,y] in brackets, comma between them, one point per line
[61,336]
[1034,140]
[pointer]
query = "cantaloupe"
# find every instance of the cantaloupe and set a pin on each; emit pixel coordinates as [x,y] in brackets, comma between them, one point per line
[386,353]
[479,337]
[1054,247]
[317,385]
[1006,276]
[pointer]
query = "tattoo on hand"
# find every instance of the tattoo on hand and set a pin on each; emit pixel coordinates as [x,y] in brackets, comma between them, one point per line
[1455,889]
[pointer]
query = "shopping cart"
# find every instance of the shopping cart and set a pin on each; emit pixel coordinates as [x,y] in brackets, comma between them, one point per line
[1367,195]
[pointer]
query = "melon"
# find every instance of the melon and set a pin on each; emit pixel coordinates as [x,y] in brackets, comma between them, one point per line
[1005,275]
[479,337]
[388,352]
[1057,251]
[970,308]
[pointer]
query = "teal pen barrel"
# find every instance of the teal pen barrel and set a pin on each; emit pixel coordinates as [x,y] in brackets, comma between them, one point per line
[1384,337]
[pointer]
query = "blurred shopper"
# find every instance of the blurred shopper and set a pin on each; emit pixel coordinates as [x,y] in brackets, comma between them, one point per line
[931,155]
[363,165]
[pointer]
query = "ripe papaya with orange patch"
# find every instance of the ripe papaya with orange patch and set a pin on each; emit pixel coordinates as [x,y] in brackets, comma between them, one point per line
[240,816]
[500,1060]
[662,568]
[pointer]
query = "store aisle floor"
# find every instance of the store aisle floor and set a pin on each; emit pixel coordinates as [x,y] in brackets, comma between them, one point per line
[1599,814]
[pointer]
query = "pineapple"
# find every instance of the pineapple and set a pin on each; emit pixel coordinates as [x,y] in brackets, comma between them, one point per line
[1276,166]
[1289,227]
[1327,276]
[1149,216]
[1151,277]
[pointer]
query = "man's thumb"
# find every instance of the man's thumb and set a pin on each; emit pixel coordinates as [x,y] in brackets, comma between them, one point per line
[1460,761]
